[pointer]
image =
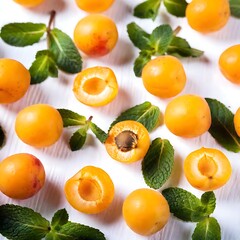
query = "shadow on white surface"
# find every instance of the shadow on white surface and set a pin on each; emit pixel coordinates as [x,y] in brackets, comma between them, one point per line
[49,5]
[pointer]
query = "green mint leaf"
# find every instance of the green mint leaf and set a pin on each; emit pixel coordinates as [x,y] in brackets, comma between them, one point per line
[60,218]
[208,229]
[65,53]
[43,67]
[222,127]
[146,113]
[143,58]
[99,133]
[208,200]
[179,47]
[158,163]
[78,139]
[138,36]
[22,34]
[21,223]
[161,38]
[176,7]
[2,137]
[183,204]
[147,9]
[71,118]
[235,8]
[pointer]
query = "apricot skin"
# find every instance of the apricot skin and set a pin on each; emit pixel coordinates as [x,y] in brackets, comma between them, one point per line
[94,6]
[29,3]
[21,176]
[236,121]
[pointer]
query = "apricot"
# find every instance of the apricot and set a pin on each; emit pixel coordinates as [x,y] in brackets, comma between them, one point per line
[188,116]
[96,86]
[236,121]
[90,190]
[208,15]
[29,3]
[128,141]
[229,63]
[145,211]
[22,175]
[39,125]
[207,169]
[96,35]
[14,80]
[164,76]
[94,6]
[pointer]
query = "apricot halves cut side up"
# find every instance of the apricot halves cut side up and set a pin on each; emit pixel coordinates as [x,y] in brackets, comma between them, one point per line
[128,141]
[96,86]
[91,190]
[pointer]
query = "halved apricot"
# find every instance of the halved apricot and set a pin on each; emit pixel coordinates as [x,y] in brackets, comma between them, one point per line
[91,190]
[207,169]
[128,141]
[96,86]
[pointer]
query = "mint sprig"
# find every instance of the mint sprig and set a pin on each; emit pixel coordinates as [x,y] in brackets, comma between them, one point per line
[158,163]
[71,118]
[161,41]
[2,137]
[21,223]
[222,126]
[176,7]
[235,8]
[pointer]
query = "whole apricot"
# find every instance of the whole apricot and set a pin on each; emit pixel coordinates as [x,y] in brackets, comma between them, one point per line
[22,175]
[128,141]
[94,6]
[229,63]
[96,86]
[164,76]
[207,169]
[29,3]
[90,190]
[145,211]
[14,80]
[188,116]
[96,35]
[39,125]
[236,121]
[208,15]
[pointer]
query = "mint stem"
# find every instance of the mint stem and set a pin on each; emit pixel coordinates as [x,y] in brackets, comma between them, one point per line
[49,27]
[177,30]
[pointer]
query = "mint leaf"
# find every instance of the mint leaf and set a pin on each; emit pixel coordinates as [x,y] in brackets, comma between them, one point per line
[143,58]
[147,9]
[179,47]
[60,218]
[138,36]
[71,118]
[64,52]
[99,133]
[161,38]
[22,34]
[43,67]
[145,113]
[183,204]
[78,139]
[2,137]
[208,229]
[208,200]
[222,127]
[158,163]
[21,223]
[235,8]
[176,7]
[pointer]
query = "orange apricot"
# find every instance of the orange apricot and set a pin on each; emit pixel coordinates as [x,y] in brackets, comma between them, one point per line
[164,76]
[208,15]
[29,3]
[90,190]
[96,86]
[39,125]
[22,175]
[128,141]
[96,35]
[229,63]
[146,211]
[188,116]
[94,6]
[14,80]
[207,169]
[236,121]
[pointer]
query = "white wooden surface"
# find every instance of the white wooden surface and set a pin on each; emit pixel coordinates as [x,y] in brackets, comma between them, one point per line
[204,78]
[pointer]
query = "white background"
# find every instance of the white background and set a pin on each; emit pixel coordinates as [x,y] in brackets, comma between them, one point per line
[204,78]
